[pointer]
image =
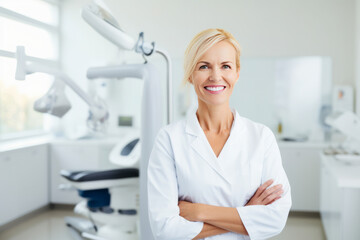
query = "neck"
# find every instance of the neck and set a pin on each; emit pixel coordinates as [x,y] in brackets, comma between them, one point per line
[213,118]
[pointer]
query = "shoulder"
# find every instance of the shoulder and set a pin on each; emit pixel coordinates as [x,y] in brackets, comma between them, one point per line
[173,129]
[258,135]
[255,128]
[169,136]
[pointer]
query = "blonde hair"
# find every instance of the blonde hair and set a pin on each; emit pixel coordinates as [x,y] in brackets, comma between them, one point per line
[201,43]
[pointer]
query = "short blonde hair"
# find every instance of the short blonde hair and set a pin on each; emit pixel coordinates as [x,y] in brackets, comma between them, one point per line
[201,43]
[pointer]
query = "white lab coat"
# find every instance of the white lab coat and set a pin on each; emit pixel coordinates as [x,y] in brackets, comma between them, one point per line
[183,166]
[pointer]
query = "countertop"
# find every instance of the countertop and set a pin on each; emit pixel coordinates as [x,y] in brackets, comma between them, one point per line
[346,175]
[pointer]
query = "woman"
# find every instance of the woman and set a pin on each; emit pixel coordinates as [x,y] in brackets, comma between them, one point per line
[215,174]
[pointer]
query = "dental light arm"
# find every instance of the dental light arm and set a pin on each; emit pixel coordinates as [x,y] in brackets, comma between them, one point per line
[99,17]
[122,71]
[55,102]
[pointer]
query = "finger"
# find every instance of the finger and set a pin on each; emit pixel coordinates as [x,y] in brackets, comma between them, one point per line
[270,198]
[270,191]
[263,187]
[273,200]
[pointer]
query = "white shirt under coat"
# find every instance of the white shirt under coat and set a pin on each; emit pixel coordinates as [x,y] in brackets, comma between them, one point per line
[183,166]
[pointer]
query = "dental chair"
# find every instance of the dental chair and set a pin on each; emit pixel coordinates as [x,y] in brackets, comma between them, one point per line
[111,197]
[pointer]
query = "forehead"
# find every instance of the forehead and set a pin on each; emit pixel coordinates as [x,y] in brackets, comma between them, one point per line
[221,51]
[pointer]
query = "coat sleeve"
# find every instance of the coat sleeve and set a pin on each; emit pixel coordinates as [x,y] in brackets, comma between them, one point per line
[261,221]
[165,221]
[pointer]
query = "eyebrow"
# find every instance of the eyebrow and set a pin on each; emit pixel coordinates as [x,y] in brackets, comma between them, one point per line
[209,63]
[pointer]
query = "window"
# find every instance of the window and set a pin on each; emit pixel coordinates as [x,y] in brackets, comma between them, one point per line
[35,25]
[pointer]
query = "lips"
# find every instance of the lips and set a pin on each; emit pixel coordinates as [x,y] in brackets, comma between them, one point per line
[214,88]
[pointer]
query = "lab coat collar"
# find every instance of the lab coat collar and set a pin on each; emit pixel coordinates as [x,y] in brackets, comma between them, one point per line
[201,145]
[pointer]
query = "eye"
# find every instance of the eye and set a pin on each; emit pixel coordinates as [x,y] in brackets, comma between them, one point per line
[203,67]
[226,67]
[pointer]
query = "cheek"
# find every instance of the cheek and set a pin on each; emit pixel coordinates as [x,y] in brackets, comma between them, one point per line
[199,76]
[198,79]
[232,79]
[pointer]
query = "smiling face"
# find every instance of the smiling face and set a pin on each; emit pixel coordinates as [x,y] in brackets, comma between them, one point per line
[215,74]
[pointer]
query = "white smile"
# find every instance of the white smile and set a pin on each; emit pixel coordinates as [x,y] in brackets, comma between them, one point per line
[214,89]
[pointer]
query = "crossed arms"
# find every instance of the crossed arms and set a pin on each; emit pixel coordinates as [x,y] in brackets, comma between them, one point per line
[218,220]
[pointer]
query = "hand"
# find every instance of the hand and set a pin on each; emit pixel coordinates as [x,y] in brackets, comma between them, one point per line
[265,195]
[190,211]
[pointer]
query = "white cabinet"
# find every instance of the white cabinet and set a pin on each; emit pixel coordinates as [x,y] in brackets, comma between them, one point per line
[7,189]
[340,199]
[301,162]
[330,205]
[24,181]
[77,155]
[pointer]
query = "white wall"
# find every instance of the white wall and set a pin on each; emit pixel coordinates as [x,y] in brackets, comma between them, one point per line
[264,29]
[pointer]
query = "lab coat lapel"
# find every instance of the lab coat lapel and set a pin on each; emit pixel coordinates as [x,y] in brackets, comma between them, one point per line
[230,157]
[233,143]
[201,145]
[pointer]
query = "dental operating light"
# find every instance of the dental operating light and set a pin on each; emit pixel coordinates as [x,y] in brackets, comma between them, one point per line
[55,102]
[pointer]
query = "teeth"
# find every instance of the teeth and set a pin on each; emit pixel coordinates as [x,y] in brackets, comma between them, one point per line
[214,89]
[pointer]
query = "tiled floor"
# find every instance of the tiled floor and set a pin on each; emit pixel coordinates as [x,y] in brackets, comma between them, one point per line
[47,225]
[50,225]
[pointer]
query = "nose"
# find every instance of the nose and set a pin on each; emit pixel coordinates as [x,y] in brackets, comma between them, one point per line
[215,75]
